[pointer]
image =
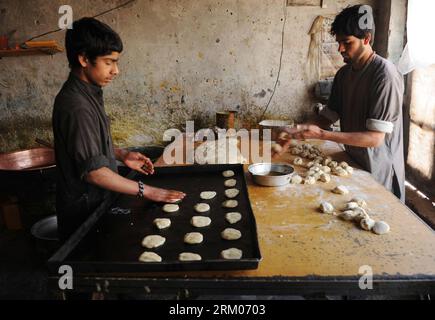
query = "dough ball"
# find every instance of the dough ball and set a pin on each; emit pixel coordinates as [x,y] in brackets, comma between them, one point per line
[230,204]
[326,169]
[295,151]
[351,206]
[339,171]
[348,215]
[232,254]
[228,173]
[193,238]
[169,208]
[310,164]
[230,183]
[327,161]
[162,223]
[200,222]
[298,161]
[344,164]
[310,180]
[361,203]
[326,207]
[233,217]
[333,164]
[381,227]
[207,195]
[296,179]
[324,177]
[276,148]
[340,190]
[360,214]
[148,256]
[231,234]
[367,224]
[153,241]
[349,170]
[189,256]
[201,207]
[232,193]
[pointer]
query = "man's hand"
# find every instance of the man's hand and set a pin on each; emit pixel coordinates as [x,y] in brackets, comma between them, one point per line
[305,131]
[137,161]
[163,195]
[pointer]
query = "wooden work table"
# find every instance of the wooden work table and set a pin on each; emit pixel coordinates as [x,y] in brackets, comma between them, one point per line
[306,252]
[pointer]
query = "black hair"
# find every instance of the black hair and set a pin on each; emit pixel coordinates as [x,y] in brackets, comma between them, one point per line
[92,39]
[347,23]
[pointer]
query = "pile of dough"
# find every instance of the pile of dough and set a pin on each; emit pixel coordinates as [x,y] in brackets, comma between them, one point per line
[153,241]
[189,256]
[202,207]
[340,190]
[148,256]
[232,254]
[169,208]
[310,180]
[233,217]
[231,234]
[200,222]
[230,183]
[230,204]
[231,193]
[228,173]
[207,195]
[162,223]
[354,211]
[193,238]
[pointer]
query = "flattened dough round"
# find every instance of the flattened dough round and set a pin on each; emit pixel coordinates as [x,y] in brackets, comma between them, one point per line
[162,223]
[232,193]
[230,204]
[228,173]
[153,241]
[207,195]
[189,256]
[232,254]
[200,222]
[193,238]
[233,217]
[231,234]
[230,183]
[381,227]
[202,207]
[148,256]
[169,208]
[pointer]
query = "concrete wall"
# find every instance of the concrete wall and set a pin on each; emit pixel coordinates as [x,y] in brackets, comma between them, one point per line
[183,60]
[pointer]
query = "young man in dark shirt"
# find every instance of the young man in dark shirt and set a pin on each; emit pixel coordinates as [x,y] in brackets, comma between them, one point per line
[85,156]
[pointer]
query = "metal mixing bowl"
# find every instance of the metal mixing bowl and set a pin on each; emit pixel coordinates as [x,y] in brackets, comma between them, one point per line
[271,174]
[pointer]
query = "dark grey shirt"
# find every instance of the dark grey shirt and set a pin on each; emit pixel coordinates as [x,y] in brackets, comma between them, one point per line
[371,100]
[82,144]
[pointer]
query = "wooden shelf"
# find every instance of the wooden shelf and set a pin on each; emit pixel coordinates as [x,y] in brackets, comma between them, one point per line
[49,50]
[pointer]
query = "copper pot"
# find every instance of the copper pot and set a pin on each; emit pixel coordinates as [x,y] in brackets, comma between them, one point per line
[26,160]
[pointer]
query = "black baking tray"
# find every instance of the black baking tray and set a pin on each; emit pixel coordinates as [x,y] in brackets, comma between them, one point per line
[110,241]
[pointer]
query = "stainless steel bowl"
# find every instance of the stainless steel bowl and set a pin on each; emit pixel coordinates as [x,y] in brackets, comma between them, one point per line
[271,174]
